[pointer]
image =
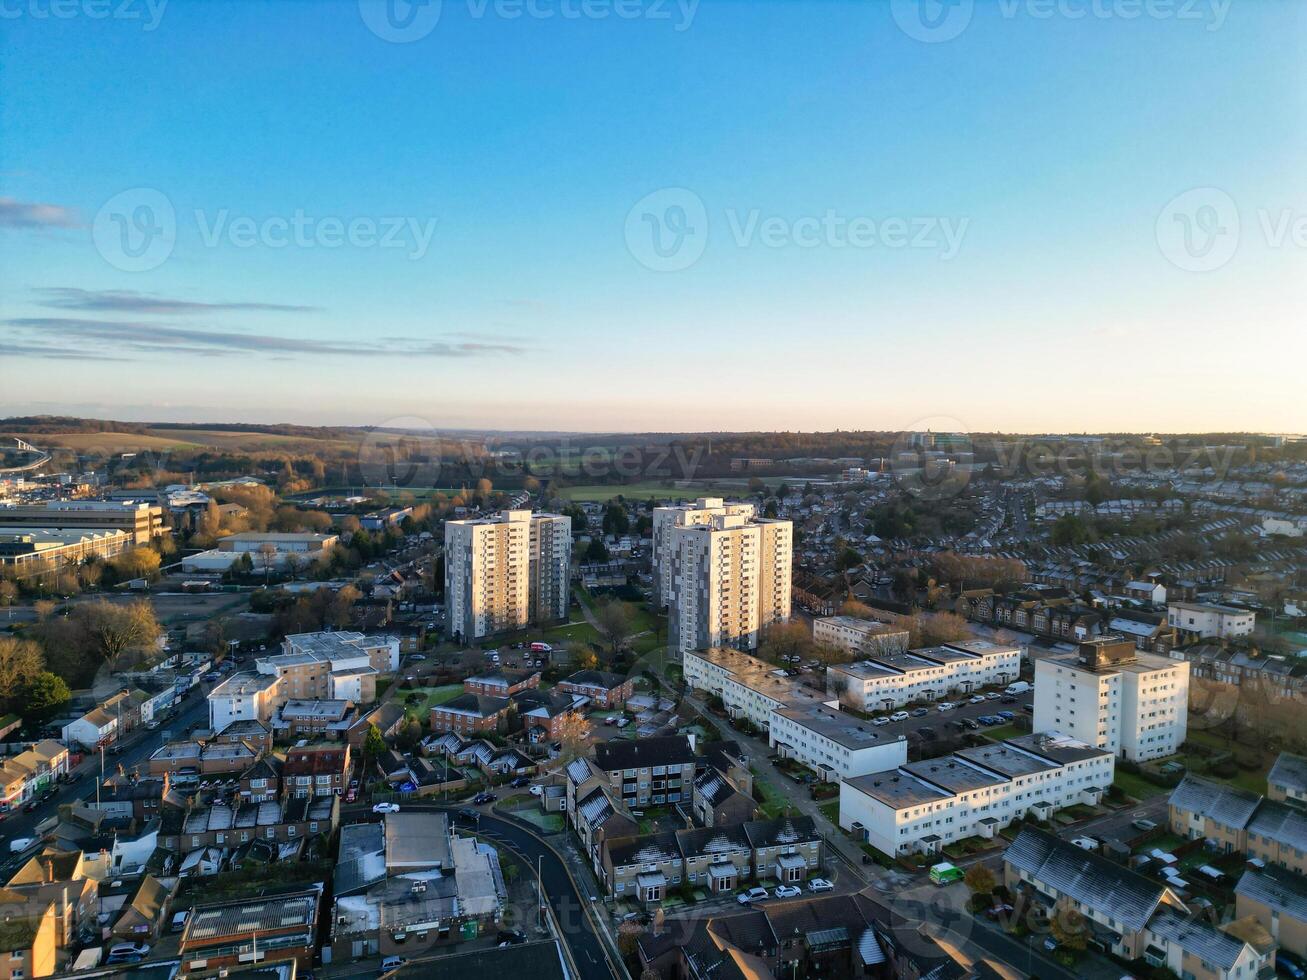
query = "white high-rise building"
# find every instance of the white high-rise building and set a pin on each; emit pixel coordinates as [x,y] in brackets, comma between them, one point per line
[506,571]
[730,580]
[1109,695]
[701,511]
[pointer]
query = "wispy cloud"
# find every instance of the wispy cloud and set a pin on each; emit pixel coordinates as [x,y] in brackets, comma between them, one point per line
[127,301]
[153,338]
[32,214]
[53,352]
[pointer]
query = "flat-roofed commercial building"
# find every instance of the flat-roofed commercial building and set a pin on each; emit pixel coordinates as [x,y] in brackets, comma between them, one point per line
[265,929]
[891,680]
[665,518]
[139,520]
[34,547]
[975,792]
[731,579]
[854,635]
[1111,695]
[1197,620]
[506,571]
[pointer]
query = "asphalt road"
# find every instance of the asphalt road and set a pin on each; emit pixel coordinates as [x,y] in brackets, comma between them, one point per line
[567,903]
[194,710]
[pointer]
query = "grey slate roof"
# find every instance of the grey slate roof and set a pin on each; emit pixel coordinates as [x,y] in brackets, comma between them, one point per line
[1198,938]
[671,750]
[781,830]
[1224,804]
[1277,888]
[1085,877]
[1281,822]
[1289,771]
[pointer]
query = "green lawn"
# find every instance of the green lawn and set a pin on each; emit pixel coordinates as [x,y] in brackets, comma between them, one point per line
[431,696]
[1137,786]
[770,802]
[831,811]
[1000,732]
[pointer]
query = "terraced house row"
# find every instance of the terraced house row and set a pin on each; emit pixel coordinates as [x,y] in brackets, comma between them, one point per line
[719,860]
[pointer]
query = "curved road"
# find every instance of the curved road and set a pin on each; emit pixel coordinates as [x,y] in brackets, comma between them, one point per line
[567,903]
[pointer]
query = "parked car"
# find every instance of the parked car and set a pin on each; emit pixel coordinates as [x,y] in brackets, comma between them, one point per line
[819,885]
[519,782]
[920,712]
[481,798]
[1288,965]
[129,949]
[788,891]
[392,963]
[976,699]
[899,716]
[511,937]
[1050,944]
[537,790]
[994,911]
[925,731]
[1006,715]
[752,895]
[945,706]
[968,723]
[179,921]
[878,722]
[993,696]
[385,808]
[1143,825]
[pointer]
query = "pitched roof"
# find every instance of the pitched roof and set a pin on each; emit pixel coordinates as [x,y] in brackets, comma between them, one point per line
[663,751]
[1085,877]
[1221,802]
[646,849]
[781,830]
[1277,888]
[713,840]
[1283,823]
[480,705]
[1289,771]
[595,678]
[1198,938]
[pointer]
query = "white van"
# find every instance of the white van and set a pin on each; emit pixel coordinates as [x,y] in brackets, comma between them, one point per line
[1020,687]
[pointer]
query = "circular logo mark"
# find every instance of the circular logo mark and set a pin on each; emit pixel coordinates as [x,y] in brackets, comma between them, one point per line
[135,231]
[667,231]
[402,452]
[1198,231]
[400,21]
[932,21]
[933,459]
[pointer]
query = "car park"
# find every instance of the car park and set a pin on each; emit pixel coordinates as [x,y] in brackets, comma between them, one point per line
[788,891]
[756,894]
[819,885]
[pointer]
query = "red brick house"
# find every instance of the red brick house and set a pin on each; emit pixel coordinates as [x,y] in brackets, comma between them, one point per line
[316,770]
[603,689]
[476,713]
[502,683]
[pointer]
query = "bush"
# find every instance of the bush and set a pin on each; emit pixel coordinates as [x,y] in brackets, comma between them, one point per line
[1225,769]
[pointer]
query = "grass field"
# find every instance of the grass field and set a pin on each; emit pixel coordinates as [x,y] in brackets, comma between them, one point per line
[432,696]
[1000,732]
[1137,786]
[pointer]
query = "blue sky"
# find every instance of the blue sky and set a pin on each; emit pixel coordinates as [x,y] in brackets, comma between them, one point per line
[980,231]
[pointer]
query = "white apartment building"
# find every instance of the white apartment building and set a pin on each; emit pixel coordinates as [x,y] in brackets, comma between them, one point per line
[854,635]
[975,792]
[1197,621]
[891,680]
[701,511]
[833,743]
[749,688]
[244,697]
[731,579]
[506,571]
[1110,695]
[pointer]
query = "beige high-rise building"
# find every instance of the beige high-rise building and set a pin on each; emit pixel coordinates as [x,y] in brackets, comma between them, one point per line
[701,511]
[730,580]
[506,571]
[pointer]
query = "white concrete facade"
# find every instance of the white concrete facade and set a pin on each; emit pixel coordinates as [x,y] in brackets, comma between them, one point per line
[664,518]
[836,744]
[1136,709]
[1196,620]
[924,806]
[854,635]
[885,681]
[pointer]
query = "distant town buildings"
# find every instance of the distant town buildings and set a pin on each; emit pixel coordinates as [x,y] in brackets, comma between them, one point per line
[140,520]
[1112,696]
[506,571]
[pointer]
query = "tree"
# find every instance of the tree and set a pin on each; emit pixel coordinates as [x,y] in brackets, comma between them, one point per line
[43,696]
[8,593]
[1069,929]
[628,934]
[584,657]
[614,621]
[596,550]
[980,880]
[786,640]
[20,662]
[374,744]
[267,555]
[573,731]
[43,608]
[137,563]
[114,630]
[847,558]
